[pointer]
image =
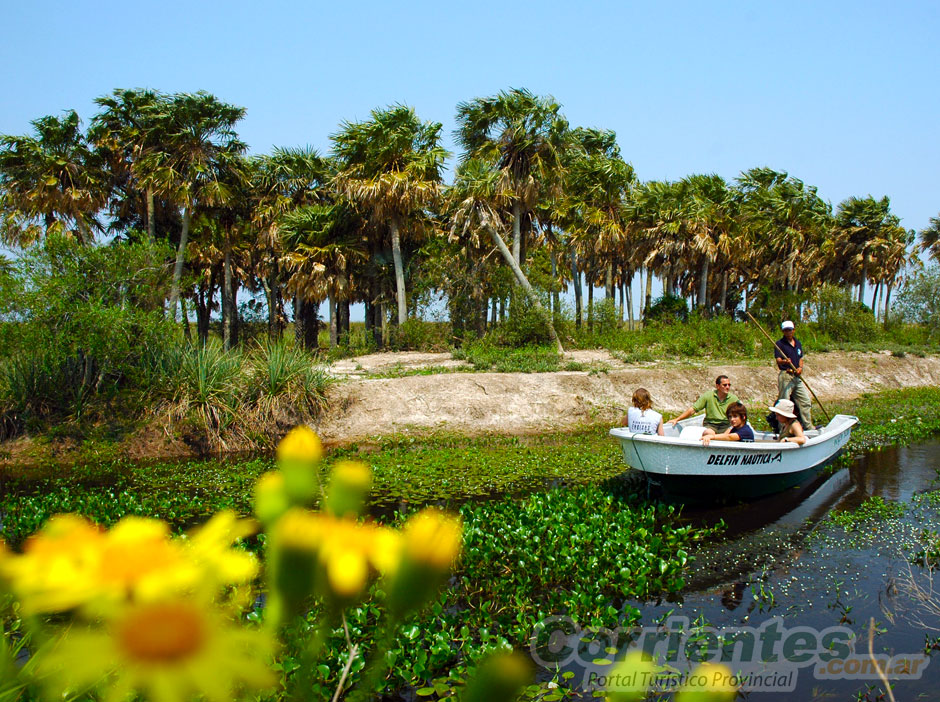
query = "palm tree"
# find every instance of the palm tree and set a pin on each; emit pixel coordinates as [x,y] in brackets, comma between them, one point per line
[785,222]
[50,182]
[930,238]
[710,213]
[193,166]
[281,183]
[863,227]
[522,137]
[126,132]
[476,203]
[894,254]
[391,166]
[323,253]
[597,181]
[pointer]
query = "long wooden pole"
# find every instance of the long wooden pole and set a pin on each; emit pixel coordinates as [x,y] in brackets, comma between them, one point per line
[757,324]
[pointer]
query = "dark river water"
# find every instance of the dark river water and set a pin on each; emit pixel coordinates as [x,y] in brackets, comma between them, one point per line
[784,569]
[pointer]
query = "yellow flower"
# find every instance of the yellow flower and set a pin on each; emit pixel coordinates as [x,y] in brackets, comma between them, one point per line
[72,563]
[349,486]
[55,570]
[211,547]
[718,686]
[297,457]
[341,549]
[167,651]
[347,572]
[385,554]
[629,679]
[301,444]
[271,500]
[430,543]
[432,538]
[353,473]
[138,558]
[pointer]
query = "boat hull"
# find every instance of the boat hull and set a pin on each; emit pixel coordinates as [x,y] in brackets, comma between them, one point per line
[686,469]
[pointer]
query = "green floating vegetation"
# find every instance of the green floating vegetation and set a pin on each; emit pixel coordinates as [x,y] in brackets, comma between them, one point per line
[583,552]
[873,509]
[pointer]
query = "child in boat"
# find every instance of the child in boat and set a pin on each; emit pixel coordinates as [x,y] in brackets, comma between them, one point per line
[641,418]
[739,430]
[791,431]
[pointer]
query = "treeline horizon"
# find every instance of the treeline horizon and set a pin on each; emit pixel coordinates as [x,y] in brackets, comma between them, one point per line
[535,205]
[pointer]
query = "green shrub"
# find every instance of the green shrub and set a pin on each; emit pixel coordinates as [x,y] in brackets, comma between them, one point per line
[525,326]
[606,317]
[668,308]
[842,318]
[919,299]
[487,356]
[421,335]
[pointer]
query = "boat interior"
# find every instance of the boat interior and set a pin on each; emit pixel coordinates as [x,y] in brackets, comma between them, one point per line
[692,428]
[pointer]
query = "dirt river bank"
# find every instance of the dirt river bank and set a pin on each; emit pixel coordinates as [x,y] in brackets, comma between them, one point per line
[518,403]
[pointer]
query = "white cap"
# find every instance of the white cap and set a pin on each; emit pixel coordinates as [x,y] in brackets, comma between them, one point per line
[787,325]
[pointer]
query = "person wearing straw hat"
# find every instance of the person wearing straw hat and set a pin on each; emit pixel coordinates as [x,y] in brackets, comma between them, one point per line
[791,431]
[788,353]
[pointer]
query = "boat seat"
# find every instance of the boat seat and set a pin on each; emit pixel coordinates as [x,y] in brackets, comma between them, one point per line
[693,432]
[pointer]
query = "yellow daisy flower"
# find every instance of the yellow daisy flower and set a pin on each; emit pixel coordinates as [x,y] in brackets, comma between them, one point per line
[211,547]
[72,563]
[433,538]
[166,651]
[54,572]
[301,444]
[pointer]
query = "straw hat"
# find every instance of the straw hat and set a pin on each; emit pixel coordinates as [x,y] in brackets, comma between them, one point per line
[784,408]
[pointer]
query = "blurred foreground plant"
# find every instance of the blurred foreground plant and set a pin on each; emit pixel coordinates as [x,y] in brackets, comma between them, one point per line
[136,611]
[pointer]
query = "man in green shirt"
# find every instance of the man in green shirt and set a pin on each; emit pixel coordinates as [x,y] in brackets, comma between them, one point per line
[715,403]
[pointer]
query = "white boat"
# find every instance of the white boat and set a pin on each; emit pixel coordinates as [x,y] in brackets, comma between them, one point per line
[683,467]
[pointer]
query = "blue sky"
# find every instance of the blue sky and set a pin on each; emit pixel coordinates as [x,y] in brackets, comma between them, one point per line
[840,94]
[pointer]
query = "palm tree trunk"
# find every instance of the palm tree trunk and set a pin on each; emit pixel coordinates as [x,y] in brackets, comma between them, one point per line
[589,277]
[554,299]
[887,303]
[609,281]
[342,321]
[874,299]
[227,296]
[399,273]
[862,286]
[151,216]
[271,288]
[649,292]
[630,317]
[378,322]
[530,293]
[576,277]
[517,232]
[185,314]
[178,267]
[331,302]
[703,284]
[724,291]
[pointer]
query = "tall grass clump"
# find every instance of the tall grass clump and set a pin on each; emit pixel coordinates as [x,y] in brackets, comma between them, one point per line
[206,388]
[238,399]
[287,385]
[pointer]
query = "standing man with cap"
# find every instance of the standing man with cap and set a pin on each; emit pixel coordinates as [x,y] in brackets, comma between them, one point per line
[789,357]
